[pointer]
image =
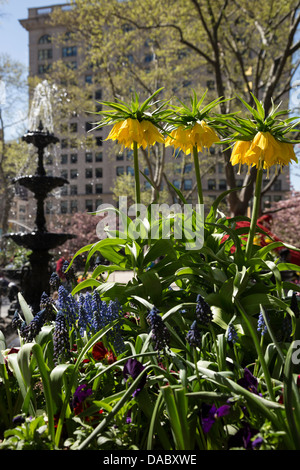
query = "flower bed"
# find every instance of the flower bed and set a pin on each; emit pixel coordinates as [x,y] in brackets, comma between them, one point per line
[198,351]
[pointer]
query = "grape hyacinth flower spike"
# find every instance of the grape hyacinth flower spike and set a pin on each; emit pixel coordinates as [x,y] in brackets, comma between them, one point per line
[193,336]
[160,333]
[203,311]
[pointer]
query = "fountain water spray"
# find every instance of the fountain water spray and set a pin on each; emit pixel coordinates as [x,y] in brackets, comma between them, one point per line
[36,281]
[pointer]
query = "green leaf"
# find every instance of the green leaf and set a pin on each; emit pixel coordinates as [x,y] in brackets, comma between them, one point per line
[28,315]
[88,283]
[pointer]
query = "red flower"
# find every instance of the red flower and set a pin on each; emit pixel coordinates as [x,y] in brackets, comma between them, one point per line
[99,351]
[111,358]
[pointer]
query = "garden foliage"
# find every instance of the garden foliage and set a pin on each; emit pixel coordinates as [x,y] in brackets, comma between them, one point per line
[197,352]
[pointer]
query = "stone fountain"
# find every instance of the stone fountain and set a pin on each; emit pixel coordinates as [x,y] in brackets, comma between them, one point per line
[39,241]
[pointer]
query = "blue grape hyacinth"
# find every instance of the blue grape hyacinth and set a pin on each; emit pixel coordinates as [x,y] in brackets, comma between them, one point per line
[261,325]
[232,334]
[160,333]
[193,336]
[61,338]
[67,304]
[203,311]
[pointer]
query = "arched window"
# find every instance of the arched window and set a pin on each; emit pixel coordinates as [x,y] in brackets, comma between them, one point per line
[45,39]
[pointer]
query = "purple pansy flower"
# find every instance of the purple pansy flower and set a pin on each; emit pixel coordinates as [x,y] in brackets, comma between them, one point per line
[80,394]
[249,382]
[243,438]
[133,368]
[210,413]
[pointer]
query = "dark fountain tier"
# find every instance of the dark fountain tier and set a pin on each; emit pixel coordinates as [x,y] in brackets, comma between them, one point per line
[39,241]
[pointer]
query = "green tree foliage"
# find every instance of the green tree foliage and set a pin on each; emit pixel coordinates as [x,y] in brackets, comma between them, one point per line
[13,153]
[226,46]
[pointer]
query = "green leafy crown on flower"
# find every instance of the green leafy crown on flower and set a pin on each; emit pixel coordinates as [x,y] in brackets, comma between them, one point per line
[120,110]
[247,128]
[187,116]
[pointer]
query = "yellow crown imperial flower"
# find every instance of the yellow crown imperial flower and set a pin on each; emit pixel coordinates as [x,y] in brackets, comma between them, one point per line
[179,139]
[203,136]
[263,151]
[200,136]
[130,130]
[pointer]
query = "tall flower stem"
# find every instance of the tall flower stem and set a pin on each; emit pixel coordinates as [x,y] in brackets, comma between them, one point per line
[198,175]
[255,212]
[136,174]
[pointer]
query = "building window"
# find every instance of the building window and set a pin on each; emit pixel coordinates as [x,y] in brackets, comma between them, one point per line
[277,185]
[64,174]
[99,188]
[88,189]
[99,172]
[72,65]
[187,168]
[129,155]
[73,190]
[89,79]
[73,207]
[120,157]
[49,160]
[176,183]
[64,143]
[49,207]
[44,68]
[130,170]
[73,158]
[44,54]
[211,184]
[64,158]
[64,191]
[88,157]
[89,205]
[73,127]
[88,173]
[73,174]
[88,126]
[148,58]
[187,184]
[99,157]
[99,141]
[120,170]
[64,207]
[45,39]
[222,185]
[69,51]
[98,95]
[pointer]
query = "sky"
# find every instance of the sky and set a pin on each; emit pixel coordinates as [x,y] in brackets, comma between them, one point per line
[13,37]
[14,42]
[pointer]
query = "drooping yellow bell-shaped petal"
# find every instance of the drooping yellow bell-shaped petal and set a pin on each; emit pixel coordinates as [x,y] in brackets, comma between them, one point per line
[263,151]
[200,135]
[239,151]
[151,134]
[203,136]
[130,130]
[180,139]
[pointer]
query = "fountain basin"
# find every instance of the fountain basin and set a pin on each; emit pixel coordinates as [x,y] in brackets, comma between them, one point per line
[40,241]
[41,184]
[40,138]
